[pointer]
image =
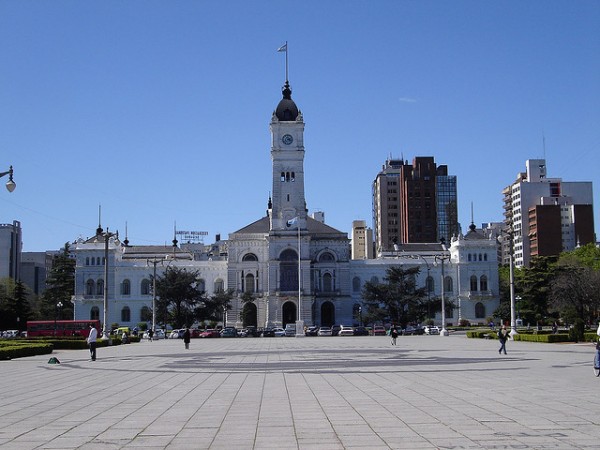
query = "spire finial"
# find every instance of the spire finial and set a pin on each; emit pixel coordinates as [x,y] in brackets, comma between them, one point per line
[126,241]
[174,235]
[99,230]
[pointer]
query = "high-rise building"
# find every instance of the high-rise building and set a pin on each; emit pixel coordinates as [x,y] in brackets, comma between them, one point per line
[414,203]
[10,249]
[546,215]
[362,240]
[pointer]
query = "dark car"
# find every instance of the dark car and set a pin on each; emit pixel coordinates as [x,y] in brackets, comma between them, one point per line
[229,332]
[312,331]
[251,331]
[269,332]
[410,330]
[361,331]
[335,330]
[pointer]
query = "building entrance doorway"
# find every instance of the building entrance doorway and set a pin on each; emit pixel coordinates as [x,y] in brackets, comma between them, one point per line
[327,314]
[288,313]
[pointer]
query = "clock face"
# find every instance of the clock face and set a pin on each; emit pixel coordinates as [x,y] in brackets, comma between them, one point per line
[287,139]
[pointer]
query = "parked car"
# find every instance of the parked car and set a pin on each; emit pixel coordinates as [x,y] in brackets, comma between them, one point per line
[335,330]
[229,332]
[210,334]
[312,331]
[410,330]
[378,330]
[279,332]
[324,331]
[158,334]
[290,329]
[431,329]
[176,334]
[361,331]
[269,332]
[346,331]
[252,331]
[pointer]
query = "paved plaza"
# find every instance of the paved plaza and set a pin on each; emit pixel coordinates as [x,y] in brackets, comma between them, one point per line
[428,392]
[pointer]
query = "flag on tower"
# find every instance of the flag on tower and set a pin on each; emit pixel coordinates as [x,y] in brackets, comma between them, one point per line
[283,48]
[292,222]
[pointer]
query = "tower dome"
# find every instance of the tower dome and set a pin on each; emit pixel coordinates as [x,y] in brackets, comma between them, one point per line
[287,111]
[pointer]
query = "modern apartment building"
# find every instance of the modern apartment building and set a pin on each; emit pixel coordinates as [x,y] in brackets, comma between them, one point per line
[362,240]
[10,250]
[414,203]
[546,215]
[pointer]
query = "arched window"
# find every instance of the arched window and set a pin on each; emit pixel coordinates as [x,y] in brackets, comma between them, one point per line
[219,286]
[479,310]
[126,287]
[326,257]
[87,261]
[201,286]
[485,256]
[327,283]
[448,284]
[145,287]
[288,270]
[356,284]
[430,284]
[483,284]
[249,257]
[145,314]
[95,313]
[100,287]
[89,287]
[125,314]
[473,283]
[480,257]
[249,283]
[469,257]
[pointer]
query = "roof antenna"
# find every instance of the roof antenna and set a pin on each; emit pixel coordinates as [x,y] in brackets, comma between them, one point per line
[174,235]
[472,227]
[126,241]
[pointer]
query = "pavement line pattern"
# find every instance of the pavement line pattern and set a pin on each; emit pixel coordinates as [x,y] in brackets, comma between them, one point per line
[428,392]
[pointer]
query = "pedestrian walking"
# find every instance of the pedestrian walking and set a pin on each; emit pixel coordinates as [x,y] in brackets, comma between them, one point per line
[502,337]
[91,340]
[186,338]
[394,334]
[150,334]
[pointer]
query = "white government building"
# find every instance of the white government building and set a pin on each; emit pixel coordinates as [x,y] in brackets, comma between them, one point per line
[262,258]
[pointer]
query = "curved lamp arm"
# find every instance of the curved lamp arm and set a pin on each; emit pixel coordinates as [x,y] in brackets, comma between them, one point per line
[10,184]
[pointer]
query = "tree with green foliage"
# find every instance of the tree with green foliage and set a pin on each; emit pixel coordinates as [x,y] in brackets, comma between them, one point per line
[60,286]
[397,299]
[15,305]
[532,284]
[177,296]
[216,305]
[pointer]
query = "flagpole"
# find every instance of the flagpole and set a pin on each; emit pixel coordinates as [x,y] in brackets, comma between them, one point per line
[286,61]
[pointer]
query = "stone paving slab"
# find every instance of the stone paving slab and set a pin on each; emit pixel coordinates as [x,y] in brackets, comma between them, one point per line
[428,392]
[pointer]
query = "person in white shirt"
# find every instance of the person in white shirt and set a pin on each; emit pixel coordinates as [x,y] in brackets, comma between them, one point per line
[91,340]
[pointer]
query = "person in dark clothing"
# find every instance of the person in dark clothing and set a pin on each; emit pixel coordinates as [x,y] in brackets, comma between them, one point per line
[186,338]
[394,334]
[502,337]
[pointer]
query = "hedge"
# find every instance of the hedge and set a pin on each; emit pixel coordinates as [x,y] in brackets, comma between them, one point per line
[19,350]
[532,337]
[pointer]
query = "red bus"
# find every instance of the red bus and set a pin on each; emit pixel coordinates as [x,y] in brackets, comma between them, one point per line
[61,327]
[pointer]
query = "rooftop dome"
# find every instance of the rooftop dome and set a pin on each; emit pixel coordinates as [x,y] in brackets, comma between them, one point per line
[287,111]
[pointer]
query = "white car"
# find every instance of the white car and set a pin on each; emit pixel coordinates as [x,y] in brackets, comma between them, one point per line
[346,331]
[431,329]
[158,334]
[324,331]
[278,332]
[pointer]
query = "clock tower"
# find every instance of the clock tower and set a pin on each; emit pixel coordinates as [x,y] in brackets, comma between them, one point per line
[287,156]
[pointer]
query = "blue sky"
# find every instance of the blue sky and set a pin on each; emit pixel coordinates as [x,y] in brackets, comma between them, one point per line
[160,110]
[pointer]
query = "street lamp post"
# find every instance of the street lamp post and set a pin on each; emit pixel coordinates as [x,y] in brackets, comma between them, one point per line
[56,310]
[511,274]
[154,261]
[106,331]
[10,184]
[442,259]
[360,316]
